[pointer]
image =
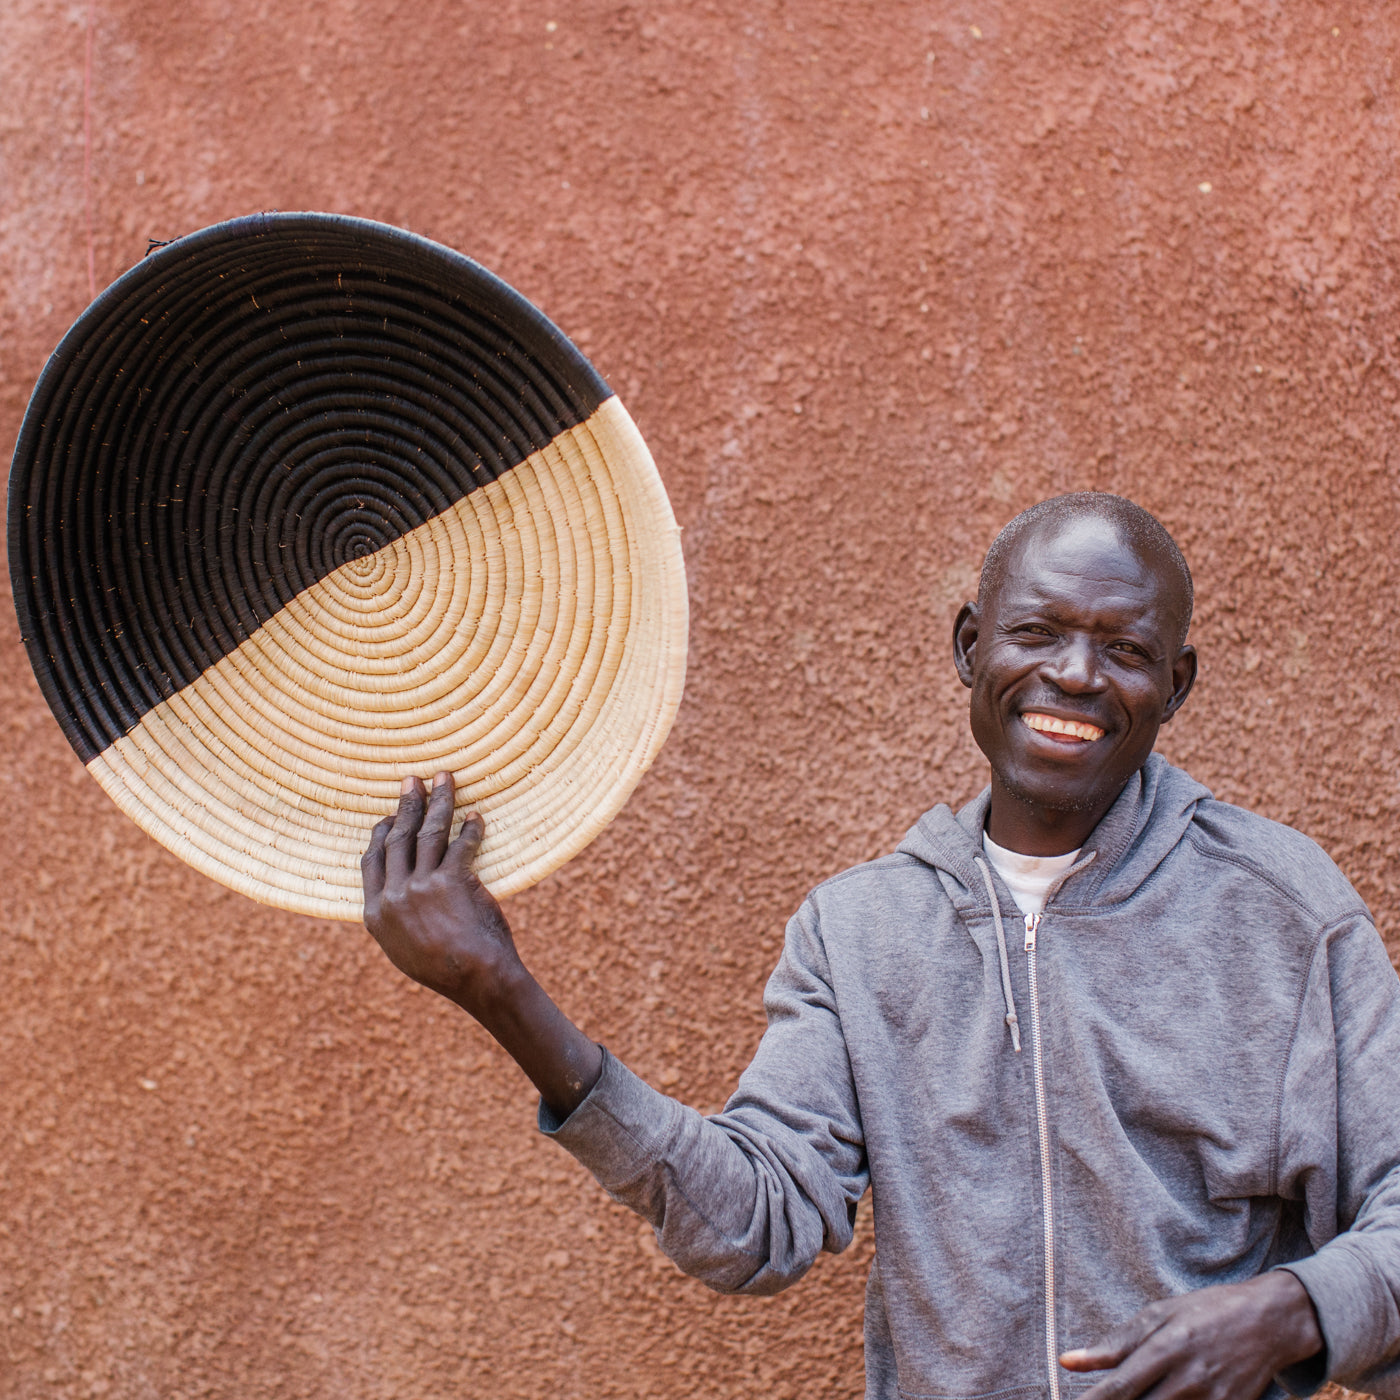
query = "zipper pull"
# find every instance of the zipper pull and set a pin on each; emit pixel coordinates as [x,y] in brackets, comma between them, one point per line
[1032,924]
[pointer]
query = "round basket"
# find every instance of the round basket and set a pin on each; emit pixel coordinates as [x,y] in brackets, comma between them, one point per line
[302,504]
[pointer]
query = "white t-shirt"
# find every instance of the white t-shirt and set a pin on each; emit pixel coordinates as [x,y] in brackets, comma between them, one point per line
[1027,877]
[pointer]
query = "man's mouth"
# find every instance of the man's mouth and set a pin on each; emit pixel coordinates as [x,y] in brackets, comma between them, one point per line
[1064,731]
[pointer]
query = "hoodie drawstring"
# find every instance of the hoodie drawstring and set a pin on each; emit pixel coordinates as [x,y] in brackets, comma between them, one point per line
[1012,1023]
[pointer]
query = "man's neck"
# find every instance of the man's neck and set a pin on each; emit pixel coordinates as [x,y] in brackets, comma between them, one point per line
[1033,830]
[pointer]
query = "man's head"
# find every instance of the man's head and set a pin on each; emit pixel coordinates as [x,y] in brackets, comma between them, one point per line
[1075,653]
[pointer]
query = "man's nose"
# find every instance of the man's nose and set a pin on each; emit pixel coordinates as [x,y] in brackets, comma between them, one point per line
[1074,667]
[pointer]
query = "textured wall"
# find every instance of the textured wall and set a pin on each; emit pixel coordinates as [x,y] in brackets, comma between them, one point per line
[868,287]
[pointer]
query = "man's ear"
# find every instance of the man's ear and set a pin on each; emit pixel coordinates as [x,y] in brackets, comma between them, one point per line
[965,627]
[1183,678]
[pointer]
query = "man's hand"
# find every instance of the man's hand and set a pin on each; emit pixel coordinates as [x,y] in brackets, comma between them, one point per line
[439,925]
[436,922]
[1221,1343]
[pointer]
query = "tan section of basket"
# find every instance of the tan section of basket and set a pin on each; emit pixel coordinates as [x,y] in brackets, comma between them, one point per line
[531,639]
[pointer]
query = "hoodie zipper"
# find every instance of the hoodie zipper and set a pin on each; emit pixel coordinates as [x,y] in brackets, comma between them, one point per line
[1042,1118]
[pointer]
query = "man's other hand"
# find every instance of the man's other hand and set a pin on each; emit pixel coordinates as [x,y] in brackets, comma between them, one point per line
[1221,1343]
[437,923]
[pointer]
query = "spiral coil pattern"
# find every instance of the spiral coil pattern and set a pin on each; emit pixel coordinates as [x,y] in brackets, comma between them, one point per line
[302,504]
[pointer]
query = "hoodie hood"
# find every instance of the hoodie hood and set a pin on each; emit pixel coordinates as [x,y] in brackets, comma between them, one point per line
[1145,824]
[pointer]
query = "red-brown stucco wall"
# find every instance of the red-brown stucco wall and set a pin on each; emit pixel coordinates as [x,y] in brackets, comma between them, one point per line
[871,278]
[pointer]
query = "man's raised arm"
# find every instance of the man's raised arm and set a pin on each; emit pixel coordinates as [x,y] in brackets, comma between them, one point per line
[439,925]
[744,1200]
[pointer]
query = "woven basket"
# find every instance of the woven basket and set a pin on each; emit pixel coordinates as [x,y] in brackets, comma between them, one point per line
[303,504]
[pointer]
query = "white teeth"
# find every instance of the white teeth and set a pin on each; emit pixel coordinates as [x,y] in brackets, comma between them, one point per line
[1048,724]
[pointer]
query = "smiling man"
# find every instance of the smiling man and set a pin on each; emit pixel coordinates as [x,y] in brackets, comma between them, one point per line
[1117,1062]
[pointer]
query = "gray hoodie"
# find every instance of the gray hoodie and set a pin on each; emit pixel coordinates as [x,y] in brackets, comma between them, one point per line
[1207,1085]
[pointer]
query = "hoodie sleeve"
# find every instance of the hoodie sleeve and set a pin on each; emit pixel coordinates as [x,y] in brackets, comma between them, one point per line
[743,1200]
[1339,1152]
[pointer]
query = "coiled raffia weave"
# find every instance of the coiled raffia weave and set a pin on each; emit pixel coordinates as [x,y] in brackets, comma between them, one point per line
[302,504]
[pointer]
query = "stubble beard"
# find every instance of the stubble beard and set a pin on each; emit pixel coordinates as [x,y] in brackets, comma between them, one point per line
[1064,804]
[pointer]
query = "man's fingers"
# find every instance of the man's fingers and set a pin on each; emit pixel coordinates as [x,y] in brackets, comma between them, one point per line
[1095,1358]
[1119,1344]
[1140,1364]
[1136,1375]
[372,862]
[401,844]
[461,855]
[437,825]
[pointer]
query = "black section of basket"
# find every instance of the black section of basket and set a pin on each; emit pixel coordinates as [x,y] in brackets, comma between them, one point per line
[242,413]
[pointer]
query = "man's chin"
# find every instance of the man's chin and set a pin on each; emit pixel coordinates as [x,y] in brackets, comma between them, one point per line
[1056,797]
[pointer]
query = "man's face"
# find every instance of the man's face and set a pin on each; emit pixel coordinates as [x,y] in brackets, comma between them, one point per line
[1074,664]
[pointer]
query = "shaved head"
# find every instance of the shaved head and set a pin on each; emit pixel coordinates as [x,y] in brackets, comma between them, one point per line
[1075,653]
[1141,531]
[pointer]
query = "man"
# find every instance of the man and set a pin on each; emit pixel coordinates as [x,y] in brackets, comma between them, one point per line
[1118,1061]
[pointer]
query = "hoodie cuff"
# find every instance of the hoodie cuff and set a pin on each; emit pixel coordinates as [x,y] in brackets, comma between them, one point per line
[619,1130]
[1346,1295]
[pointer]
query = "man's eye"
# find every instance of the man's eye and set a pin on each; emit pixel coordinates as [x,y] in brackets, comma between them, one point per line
[1128,649]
